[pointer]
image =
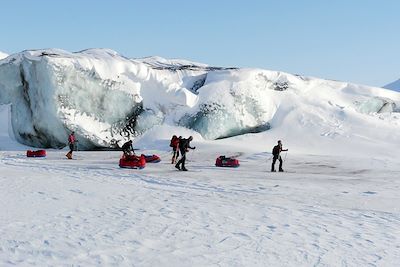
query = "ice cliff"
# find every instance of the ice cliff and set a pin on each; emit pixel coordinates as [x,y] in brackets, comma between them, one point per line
[107,98]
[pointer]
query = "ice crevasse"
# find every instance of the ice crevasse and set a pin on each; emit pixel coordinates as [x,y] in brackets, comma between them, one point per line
[107,98]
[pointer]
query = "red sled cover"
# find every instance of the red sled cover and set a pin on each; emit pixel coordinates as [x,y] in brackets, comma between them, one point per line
[36,154]
[223,161]
[132,162]
[152,158]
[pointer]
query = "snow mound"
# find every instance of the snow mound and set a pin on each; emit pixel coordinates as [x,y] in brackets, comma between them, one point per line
[107,98]
[3,55]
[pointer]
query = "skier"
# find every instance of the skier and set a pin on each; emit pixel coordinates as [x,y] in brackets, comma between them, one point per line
[127,148]
[184,145]
[71,142]
[276,151]
[175,148]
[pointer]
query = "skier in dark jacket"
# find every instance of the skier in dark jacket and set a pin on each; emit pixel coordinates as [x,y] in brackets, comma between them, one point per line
[184,145]
[127,148]
[276,151]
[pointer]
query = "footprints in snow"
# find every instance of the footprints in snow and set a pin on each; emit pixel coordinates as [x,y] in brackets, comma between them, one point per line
[363,193]
[76,191]
[46,196]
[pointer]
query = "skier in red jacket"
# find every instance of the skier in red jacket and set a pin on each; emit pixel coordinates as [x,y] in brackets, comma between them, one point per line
[71,142]
[175,148]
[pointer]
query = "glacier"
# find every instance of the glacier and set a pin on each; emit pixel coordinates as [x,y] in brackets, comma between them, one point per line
[3,55]
[107,98]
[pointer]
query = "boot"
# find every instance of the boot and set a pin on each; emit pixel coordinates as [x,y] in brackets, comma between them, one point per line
[177,166]
[281,170]
[183,168]
[69,155]
[273,170]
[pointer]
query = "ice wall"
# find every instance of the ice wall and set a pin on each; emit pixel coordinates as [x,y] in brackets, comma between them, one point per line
[106,98]
[103,97]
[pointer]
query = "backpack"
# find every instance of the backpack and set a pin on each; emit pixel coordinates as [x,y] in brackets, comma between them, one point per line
[275,151]
[174,141]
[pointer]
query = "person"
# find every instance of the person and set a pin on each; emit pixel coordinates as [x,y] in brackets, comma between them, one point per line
[184,145]
[175,148]
[127,148]
[71,142]
[276,151]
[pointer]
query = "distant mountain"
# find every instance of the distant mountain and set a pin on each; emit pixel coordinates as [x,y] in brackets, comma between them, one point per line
[3,55]
[395,86]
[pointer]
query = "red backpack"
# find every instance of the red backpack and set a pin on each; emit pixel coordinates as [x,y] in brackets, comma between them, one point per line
[174,141]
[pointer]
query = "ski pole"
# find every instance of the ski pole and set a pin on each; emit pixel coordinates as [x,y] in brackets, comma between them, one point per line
[193,154]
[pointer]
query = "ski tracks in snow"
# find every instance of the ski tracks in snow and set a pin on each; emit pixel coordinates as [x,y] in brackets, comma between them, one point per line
[90,212]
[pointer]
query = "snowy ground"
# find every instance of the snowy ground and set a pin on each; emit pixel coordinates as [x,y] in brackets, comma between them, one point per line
[324,211]
[337,204]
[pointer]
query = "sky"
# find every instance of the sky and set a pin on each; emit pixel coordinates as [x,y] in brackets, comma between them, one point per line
[347,40]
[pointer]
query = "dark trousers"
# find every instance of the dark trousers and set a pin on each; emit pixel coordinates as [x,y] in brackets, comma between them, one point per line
[278,157]
[182,160]
[71,148]
[176,154]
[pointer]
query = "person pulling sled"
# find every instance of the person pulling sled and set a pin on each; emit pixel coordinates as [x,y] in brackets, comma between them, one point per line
[184,145]
[72,143]
[175,148]
[276,151]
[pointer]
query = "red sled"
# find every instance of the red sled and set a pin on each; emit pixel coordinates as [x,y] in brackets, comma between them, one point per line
[152,158]
[36,154]
[223,161]
[132,162]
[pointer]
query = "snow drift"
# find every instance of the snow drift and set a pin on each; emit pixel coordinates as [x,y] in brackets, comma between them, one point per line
[3,55]
[107,98]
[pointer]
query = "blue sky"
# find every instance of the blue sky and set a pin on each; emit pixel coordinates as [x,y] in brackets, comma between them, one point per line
[352,40]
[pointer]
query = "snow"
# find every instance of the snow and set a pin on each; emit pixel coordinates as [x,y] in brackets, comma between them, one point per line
[336,204]
[107,98]
[395,86]
[3,55]
[325,210]
[7,138]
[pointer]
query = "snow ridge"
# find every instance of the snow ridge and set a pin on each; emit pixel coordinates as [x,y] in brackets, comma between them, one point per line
[107,98]
[3,55]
